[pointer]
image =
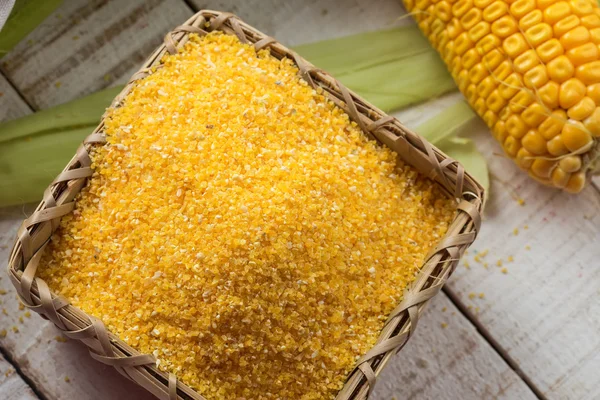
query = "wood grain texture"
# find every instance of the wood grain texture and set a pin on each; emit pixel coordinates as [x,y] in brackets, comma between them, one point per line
[11,105]
[85,46]
[448,359]
[12,387]
[297,22]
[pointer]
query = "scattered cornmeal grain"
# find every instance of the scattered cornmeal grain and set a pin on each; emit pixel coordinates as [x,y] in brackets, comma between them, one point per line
[504,270]
[3,292]
[444,325]
[67,379]
[516,231]
[499,263]
[481,295]
[3,333]
[241,229]
[61,339]
[27,314]
[4,311]
[510,259]
[21,306]
[15,329]
[472,295]
[485,265]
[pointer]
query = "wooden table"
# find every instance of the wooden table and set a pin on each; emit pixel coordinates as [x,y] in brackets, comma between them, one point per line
[529,331]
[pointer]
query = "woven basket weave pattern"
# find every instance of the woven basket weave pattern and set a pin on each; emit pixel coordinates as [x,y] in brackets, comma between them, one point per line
[58,200]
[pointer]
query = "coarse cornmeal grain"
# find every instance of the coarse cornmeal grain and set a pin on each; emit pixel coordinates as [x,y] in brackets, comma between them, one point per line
[241,229]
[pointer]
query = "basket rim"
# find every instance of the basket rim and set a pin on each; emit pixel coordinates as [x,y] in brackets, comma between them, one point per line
[59,200]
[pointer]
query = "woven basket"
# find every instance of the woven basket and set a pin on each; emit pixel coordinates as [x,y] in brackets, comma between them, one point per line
[58,200]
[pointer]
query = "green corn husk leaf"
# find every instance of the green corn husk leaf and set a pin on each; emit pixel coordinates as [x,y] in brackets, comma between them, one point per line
[443,131]
[24,18]
[390,68]
[35,148]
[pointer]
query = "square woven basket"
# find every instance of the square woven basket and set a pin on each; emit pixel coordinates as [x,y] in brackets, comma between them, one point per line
[58,200]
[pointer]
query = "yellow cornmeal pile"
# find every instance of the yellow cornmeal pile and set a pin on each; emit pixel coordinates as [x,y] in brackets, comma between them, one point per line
[241,229]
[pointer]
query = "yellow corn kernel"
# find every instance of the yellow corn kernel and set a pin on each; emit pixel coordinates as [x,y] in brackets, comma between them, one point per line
[534,142]
[504,114]
[454,29]
[559,177]
[486,87]
[490,118]
[553,125]
[499,131]
[592,123]
[595,35]
[556,146]
[462,43]
[504,26]
[495,102]
[480,106]
[531,19]
[581,7]
[548,94]
[520,101]
[575,37]
[478,31]
[570,163]
[591,21]
[550,50]
[571,92]
[463,80]
[460,7]
[593,91]
[520,8]
[542,168]
[526,61]
[560,69]
[576,182]
[470,58]
[542,4]
[534,115]
[583,54]
[515,45]
[588,73]
[471,93]
[488,43]
[516,127]
[565,25]
[477,73]
[511,146]
[575,136]
[583,109]
[510,86]
[536,77]
[524,158]
[495,10]
[493,59]
[443,11]
[472,17]
[556,12]
[538,34]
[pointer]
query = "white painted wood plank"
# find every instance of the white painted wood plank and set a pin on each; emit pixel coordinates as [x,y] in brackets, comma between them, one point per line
[12,387]
[11,105]
[448,359]
[297,22]
[85,46]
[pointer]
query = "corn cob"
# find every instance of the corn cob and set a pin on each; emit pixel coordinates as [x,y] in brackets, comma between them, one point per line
[531,70]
